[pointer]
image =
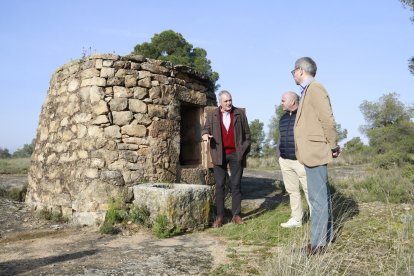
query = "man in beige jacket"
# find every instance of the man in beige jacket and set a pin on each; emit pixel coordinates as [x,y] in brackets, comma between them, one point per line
[316,145]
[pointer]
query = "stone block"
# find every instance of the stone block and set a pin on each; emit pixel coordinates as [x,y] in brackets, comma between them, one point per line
[122,118]
[115,81]
[118,104]
[89,73]
[93,81]
[136,105]
[100,108]
[140,92]
[186,206]
[88,218]
[156,111]
[130,81]
[134,130]
[145,82]
[121,92]
[107,72]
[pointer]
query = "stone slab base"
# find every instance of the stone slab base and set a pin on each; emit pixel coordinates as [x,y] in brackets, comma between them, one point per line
[186,206]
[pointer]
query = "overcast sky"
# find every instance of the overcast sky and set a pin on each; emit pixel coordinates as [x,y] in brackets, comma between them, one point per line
[361,49]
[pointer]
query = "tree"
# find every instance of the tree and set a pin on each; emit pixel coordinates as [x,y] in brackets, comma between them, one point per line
[257,136]
[268,149]
[342,133]
[25,151]
[387,111]
[410,4]
[4,153]
[354,145]
[274,126]
[173,47]
[274,133]
[389,127]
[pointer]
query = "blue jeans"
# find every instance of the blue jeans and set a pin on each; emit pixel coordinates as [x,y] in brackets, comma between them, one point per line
[321,205]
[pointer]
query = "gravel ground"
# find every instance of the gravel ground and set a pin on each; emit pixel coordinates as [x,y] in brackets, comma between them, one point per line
[31,246]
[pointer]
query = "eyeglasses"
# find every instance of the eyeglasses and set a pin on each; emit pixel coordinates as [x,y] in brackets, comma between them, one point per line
[293,71]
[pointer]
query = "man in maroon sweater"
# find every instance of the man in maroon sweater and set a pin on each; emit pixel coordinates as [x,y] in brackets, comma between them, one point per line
[228,130]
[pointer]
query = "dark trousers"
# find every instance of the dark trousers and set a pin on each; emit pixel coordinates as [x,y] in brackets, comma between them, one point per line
[236,171]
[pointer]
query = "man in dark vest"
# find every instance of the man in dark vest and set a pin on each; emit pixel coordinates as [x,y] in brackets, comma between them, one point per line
[293,172]
[228,130]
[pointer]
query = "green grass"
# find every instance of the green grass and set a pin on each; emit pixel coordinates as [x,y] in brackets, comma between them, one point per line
[14,166]
[394,185]
[264,163]
[378,240]
[251,243]
[374,219]
[263,230]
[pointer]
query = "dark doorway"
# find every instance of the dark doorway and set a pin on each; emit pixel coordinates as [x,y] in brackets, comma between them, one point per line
[190,133]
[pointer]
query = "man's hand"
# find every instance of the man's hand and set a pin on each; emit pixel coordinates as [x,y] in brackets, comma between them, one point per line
[206,137]
[336,151]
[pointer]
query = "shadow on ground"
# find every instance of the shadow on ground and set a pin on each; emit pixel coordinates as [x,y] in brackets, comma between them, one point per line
[14,267]
[344,208]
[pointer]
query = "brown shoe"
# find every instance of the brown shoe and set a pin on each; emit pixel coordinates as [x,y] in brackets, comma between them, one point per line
[237,220]
[314,250]
[218,222]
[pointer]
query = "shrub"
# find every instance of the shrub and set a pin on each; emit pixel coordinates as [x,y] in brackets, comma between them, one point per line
[390,159]
[162,229]
[15,194]
[52,216]
[116,213]
[120,213]
[140,215]
[108,228]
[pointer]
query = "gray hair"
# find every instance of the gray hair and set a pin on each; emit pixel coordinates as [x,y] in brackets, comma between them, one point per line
[222,92]
[307,64]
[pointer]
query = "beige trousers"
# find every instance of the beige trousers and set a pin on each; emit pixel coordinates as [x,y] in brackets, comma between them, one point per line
[294,177]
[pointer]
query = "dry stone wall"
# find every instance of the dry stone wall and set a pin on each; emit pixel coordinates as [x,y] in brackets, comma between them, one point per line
[108,123]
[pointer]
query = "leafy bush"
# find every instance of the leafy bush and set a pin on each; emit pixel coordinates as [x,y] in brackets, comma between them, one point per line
[390,159]
[52,216]
[116,213]
[120,213]
[140,215]
[162,229]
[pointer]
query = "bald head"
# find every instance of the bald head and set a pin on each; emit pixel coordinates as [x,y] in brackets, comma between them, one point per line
[290,101]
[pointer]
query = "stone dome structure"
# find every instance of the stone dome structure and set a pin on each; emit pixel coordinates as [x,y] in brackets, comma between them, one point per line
[110,122]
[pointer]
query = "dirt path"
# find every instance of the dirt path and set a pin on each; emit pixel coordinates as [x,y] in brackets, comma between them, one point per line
[30,246]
